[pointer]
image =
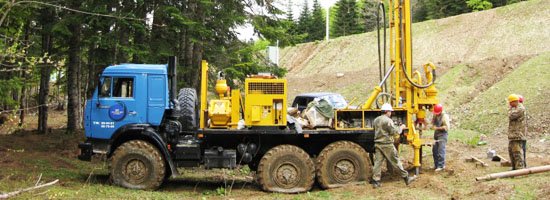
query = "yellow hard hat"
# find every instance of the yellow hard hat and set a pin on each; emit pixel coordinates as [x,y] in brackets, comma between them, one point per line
[513,97]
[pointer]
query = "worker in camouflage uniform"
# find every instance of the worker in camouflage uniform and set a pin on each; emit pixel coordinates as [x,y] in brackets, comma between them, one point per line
[385,130]
[516,132]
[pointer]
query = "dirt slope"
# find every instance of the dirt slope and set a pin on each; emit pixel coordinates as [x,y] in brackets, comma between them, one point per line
[482,57]
[521,29]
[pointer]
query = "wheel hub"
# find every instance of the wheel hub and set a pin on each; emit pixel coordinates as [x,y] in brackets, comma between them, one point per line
[344,170]
[287,175]
[135,171]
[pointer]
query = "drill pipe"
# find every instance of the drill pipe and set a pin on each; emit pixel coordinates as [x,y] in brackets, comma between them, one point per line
[519,172]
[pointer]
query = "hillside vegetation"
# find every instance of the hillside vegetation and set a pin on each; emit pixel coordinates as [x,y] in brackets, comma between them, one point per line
[481,57]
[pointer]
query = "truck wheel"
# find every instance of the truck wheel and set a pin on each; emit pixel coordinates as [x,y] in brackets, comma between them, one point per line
[286,169]
[137,164]
[342,162]
[187,98]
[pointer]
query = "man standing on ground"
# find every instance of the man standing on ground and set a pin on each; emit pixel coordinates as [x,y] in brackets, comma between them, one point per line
[516,131]
[440,125]
[385,130]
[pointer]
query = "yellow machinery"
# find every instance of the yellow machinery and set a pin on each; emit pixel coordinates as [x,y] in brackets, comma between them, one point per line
[265,97]
[265,102]
[409,95]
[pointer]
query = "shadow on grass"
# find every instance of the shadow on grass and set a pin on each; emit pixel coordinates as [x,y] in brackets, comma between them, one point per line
[205,186]
[180,184]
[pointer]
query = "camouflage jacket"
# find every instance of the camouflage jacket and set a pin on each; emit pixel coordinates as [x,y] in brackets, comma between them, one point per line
[384,130]
[516,126]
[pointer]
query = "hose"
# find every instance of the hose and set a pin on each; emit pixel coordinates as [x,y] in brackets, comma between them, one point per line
[402,32]
[380,63]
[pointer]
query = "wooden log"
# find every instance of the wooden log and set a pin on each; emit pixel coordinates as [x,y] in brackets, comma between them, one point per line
[12,194]
[519,172]
[474,159]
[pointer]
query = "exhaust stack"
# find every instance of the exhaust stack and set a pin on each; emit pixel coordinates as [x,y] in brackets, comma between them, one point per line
[172,78]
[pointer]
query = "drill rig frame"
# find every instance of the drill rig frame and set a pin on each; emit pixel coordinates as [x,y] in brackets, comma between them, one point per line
[410,97]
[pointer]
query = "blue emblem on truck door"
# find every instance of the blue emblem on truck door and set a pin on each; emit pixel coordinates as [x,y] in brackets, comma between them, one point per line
[117,111]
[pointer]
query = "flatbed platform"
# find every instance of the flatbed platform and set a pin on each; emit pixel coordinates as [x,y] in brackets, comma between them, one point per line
[282,132]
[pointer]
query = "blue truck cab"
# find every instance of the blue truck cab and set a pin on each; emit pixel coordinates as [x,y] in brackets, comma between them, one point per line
[117,103]
[131,103]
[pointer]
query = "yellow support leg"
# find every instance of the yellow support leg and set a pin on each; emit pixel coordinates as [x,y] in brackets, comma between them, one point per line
[372,97]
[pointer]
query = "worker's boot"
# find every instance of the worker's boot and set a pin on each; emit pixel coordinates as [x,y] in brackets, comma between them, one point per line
[408,180]
[375,184]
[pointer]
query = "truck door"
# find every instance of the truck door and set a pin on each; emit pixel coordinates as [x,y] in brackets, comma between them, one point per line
[116,106]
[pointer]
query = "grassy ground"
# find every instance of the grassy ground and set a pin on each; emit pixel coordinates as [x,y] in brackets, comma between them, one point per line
[518,29]
[531,80]
[25,156]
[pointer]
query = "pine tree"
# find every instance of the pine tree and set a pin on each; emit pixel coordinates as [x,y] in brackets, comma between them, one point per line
[289,14]
[317,26]
[346,19]
[367,14]
[436,9]
[304,22]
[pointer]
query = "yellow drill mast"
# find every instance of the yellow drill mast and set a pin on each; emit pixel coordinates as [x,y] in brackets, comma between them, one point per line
[410,96]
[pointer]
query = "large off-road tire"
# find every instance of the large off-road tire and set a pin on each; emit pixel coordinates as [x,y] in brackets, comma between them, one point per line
[187,99]
[341,163]
[137,164]
[286,169]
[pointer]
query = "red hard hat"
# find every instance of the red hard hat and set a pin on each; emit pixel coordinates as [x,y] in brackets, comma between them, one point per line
[438,108]
[520,99]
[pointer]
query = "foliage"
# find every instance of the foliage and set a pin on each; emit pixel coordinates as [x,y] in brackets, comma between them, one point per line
[221,191]
[478,5]
[367,14]
[250,60]
[317,26]
[345,22]
[305,22]
[93,34]
[435,9]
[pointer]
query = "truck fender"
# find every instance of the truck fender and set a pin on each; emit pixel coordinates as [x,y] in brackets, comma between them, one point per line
[143,132]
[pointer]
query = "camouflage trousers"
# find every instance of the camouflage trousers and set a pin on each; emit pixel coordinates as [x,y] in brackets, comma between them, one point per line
[389,153]
[516,156]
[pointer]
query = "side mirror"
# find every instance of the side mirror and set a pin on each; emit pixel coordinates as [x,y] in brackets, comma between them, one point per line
[98,87]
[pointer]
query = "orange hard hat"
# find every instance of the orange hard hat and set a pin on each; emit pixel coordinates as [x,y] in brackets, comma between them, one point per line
[438,108]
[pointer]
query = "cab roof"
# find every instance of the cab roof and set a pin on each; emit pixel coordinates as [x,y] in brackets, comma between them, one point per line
[129,68]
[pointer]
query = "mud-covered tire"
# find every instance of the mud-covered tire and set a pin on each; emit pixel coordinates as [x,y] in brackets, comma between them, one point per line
[341,163]
[137,164]
[187,99]
[286,169]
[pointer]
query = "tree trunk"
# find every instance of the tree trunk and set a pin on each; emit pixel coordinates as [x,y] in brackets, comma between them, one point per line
[197,49]
[23,97]
[60,97]
[43,94]
[139,34]
[72,77]
[92,78]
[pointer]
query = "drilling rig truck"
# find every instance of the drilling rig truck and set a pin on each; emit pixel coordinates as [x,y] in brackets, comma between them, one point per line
[147,129]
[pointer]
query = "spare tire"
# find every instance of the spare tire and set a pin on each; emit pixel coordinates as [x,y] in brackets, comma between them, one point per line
[187,99]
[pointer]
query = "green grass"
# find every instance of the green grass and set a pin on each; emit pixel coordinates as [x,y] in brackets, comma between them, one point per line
[523,192]
[517,29]
[357,91]
[463,136]
[487,112]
